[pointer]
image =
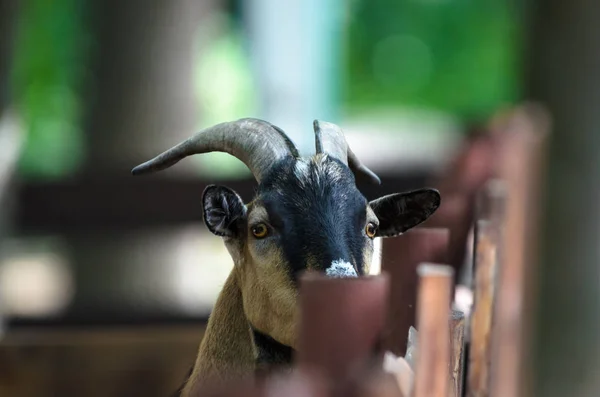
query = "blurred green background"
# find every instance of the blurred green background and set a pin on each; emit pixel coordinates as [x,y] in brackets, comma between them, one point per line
[458,57]
[120,273]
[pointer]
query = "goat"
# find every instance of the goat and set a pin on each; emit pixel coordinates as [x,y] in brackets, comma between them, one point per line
[307,215]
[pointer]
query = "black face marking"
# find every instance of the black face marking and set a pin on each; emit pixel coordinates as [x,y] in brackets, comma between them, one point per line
[270,352]
[317,212]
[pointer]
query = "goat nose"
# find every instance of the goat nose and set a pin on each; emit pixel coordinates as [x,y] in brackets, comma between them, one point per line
[340,269]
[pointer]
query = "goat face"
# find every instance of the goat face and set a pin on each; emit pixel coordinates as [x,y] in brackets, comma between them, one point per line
[307,215]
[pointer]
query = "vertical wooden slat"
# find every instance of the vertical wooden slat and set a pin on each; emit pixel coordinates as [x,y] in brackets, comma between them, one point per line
[520,168]
[433,355]
[457,357]
[491,202]
[400,258]
[481,317]
[341,323]
[459,184]
[562,72]
[457,338]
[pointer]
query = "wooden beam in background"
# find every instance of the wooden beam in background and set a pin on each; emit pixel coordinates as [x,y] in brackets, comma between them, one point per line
[105,205]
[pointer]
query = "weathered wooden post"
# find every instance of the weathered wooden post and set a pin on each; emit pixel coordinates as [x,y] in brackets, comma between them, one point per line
[433,313]
[485,269]
[457,353]
[341,324]
[562,74]
[520,170]
[400,258]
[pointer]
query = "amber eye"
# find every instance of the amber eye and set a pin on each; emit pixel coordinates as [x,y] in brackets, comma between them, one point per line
[371,229]
[260,230]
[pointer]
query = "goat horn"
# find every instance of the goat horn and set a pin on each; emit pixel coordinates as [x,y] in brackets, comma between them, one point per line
[329,138]
[257,143]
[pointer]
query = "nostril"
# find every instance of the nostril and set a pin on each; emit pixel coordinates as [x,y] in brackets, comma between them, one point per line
[340,269]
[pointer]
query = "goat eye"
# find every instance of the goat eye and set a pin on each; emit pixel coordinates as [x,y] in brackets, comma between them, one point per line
[260,230]
[371,229]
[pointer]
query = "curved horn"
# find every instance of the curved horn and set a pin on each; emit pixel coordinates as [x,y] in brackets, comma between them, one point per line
[257,143]
[329,138]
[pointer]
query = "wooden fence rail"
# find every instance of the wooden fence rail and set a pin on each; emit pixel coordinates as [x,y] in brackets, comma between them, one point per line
[347,326]
[399,333]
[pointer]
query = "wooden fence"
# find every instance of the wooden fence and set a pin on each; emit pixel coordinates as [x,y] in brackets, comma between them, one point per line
[488,217]
[348,325]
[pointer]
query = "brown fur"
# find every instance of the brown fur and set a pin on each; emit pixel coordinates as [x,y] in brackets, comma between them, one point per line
[226,351]
[257,292]
[268,293]
[259,297]
[270,299]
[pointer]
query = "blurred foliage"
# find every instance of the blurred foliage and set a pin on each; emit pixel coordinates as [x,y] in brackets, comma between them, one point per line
[225,87]
[49,65]
[457,56]
[224,82]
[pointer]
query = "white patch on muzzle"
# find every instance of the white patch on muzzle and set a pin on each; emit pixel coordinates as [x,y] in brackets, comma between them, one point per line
[340,268]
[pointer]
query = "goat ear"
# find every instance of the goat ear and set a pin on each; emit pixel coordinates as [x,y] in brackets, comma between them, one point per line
[400,212]
[223,209]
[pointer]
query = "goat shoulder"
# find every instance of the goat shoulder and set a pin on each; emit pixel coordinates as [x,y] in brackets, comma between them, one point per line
[226,351]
